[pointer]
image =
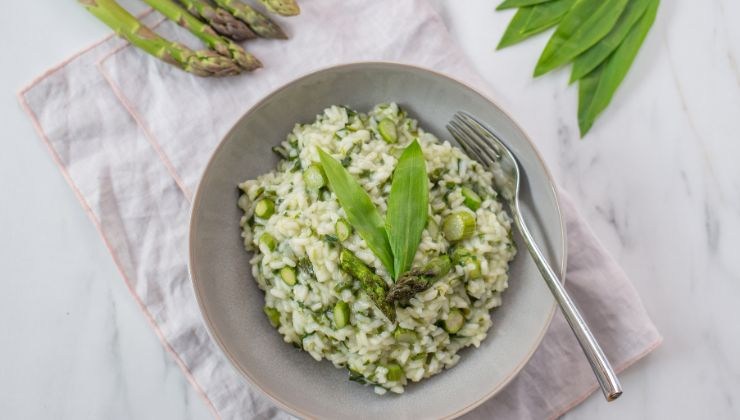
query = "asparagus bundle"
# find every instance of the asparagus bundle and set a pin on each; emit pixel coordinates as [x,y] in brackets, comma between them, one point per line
[259,23]
[282,7]
[223,46]
[201,63]
[220,20]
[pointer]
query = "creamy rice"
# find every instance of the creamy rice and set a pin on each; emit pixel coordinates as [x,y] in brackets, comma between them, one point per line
[303,229]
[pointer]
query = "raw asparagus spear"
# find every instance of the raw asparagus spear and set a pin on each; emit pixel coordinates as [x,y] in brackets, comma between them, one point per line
[221,45]
[220,20]
[201,63]
[259,23]
[371,283]
[418,280]
[282,7]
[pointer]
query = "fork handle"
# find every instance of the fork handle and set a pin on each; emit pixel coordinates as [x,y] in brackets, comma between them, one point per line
[603,370]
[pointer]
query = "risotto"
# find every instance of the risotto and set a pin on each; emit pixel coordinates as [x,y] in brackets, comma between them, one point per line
[298,233]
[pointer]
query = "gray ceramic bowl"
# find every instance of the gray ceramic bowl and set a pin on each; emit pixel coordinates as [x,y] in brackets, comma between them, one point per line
[231,302]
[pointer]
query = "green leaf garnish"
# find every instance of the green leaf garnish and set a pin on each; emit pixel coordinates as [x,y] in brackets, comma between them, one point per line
[510,4]
[531,20]
[596,90]
[584,25]
[361,212]
[407,207]
[584,63]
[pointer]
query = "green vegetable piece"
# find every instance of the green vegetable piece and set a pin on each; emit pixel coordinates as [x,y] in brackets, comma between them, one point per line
[531,20]
[272,315]
[370,282]
[402,335]
[511,4]
[361,212]
[472,199]
[395,372]
[475,272]
[258,22]
[201,63]
[458,226]
[584,25]
[343,229]
[341,314]
[438,267]
[342,286]
[268,241]
[596,90]
[584,63]
[314,177]
[407,207]
[264,208]
[220,20]
[454,322]
[388,131]
[418,280]
[282,7]
[461,256]
[224,46]
[288,275]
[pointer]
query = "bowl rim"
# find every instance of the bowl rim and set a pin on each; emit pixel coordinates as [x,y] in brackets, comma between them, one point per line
[359,64]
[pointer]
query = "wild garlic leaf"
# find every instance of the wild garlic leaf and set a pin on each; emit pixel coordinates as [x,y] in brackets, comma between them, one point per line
[407,207]
[531,20]
[584,63]
[361,212]
[510,4]
[583,26]
[597,88]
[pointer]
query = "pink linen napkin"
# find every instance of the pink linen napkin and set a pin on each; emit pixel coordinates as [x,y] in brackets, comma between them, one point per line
[115,122]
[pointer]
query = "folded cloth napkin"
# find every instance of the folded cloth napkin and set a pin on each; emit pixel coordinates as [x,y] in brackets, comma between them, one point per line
[131,135]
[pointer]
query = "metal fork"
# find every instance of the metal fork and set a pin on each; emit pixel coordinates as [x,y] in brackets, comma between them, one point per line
[482,145]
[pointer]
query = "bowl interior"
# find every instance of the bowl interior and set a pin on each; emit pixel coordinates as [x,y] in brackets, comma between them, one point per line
[232,303]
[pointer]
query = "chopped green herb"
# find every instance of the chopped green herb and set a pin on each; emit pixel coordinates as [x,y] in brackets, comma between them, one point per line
[305,265]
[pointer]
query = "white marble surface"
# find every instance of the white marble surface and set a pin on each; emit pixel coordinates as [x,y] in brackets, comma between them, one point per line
[657,178]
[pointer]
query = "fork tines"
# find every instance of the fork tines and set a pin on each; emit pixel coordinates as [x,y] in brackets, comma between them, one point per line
[477,141]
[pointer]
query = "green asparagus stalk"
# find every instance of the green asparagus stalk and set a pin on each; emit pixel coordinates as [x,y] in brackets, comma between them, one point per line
[201,63]
[371,283]
[418,280]
[260,24]
[282,7]
[221,45]
[220,20]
